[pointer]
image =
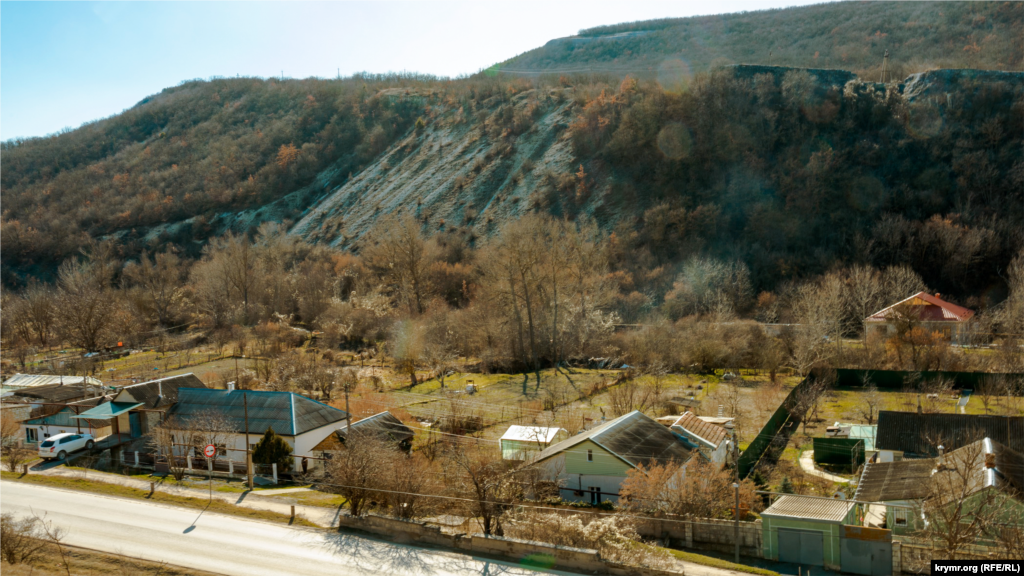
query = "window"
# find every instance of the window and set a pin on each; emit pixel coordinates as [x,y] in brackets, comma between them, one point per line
[590,455]
[595,494]
[30,434]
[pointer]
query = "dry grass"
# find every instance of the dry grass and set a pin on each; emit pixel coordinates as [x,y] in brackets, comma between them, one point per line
[84,562]
[217,506]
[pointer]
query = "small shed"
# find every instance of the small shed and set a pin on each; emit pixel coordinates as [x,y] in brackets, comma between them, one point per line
[519,441]
[806,530]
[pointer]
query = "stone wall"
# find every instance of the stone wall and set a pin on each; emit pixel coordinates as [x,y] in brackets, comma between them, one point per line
[521,551]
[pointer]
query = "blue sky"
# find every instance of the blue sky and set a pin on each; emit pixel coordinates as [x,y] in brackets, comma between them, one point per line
[66,63]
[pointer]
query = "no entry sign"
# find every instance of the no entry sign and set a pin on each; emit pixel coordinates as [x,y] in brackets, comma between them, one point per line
[210,450]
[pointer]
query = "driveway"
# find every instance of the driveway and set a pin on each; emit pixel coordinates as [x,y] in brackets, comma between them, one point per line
[230,545]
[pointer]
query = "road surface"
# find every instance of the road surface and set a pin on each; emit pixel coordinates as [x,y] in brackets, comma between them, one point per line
[227,544]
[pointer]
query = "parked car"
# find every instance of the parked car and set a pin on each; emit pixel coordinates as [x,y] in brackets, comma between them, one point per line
[60,445]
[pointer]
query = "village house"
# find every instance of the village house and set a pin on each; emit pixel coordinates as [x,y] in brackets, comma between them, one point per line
[518,442]
[302,422]
[384,427]
[591,466]
[711,439]
[912,435]
[904,488]
[925,311]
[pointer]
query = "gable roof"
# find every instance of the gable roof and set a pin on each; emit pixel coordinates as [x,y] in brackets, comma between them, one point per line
[921,434]
[713,434]
[289,414]
[385,426]
[827,509]
[991,465]
[53,393]
[890,481]
[538,434]
[158,393]
[929,309]
[635,438]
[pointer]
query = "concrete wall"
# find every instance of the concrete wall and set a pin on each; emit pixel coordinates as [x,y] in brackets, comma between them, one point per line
[522,551]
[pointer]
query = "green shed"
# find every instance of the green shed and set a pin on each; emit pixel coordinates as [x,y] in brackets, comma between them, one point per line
[806,530]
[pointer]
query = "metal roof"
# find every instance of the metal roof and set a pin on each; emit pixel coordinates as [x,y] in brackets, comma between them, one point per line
[921,434]
[108,410]
[634,437]
[713,434]
[928,308]
[804,507]
[287,413]
[384,425]
[891,481]
[537,434]
[52,393]
[161,392]
[30,380]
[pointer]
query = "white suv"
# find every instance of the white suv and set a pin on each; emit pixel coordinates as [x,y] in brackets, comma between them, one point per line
[60,445]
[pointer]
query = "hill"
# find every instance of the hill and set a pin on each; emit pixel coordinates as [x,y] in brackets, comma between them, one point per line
[853,36]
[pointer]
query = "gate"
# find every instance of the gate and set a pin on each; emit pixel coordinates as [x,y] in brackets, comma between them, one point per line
[801,547]
[866,551]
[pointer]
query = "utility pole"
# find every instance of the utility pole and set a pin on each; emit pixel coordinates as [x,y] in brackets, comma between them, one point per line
[885,60]
[248,453]
[736,521]
[348,415]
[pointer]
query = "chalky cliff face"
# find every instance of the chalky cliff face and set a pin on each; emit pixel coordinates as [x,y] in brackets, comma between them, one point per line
[463,172]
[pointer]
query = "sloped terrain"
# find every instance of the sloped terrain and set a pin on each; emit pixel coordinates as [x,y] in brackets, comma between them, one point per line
[919,36]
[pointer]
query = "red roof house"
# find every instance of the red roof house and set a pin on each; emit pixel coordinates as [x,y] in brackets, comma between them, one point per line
[930,312]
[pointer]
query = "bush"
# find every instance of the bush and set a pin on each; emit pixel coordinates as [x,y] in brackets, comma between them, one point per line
[614,537]
[20,539]
[272,449]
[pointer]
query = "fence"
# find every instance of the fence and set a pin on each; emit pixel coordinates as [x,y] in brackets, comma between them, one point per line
[780,422]
[897,379]
[527,553]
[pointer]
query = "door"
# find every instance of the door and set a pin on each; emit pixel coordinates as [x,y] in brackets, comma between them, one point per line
[595,494]
[136,426]
[803,547]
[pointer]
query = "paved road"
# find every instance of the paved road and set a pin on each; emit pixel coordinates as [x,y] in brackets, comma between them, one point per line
[227,544]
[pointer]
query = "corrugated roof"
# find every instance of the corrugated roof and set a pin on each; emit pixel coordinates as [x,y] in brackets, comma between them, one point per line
[713,434]
[890,481]
[921,434]
[53,393]
[30,380]
[537,434]
[287,413]
[934,309]
[792,506]
[384,425]
[149,393]
[634,437]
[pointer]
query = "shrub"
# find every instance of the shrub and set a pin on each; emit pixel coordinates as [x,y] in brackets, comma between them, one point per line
[272,449]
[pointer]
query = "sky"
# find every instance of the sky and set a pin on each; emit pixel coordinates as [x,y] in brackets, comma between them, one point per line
[66,63]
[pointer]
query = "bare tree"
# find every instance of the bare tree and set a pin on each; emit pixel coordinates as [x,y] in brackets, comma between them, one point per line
[402,257]
[21,539]
[355,471]
[14,456]
[85,305]
[159,282]
[488,482]
[870,402]
[702,489]
[961,507]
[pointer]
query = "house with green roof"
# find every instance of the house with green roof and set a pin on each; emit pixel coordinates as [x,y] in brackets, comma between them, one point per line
[591,466]
[302,422]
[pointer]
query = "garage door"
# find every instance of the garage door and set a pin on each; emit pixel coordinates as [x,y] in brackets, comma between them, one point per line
[801,547]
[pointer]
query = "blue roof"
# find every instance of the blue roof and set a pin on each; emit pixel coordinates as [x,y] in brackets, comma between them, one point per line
[286,412]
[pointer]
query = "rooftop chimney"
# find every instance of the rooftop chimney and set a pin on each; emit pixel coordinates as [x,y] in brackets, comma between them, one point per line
[231,386]
[942,450]
[990,460]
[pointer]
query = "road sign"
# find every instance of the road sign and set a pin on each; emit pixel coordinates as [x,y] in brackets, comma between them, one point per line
[210,450]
